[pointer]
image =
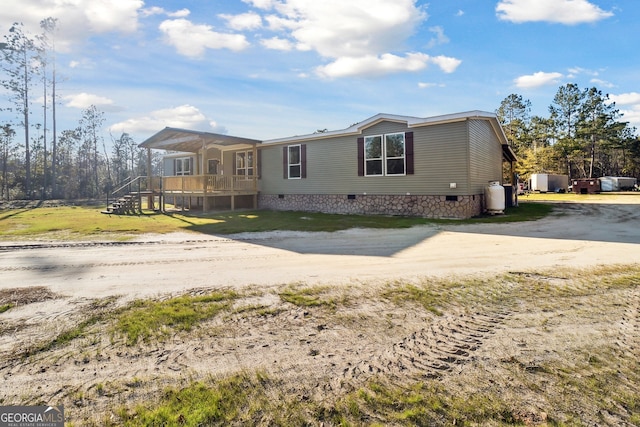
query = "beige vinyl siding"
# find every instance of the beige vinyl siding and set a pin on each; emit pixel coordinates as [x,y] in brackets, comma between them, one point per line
[485,155]
[228,162]
[168,166]
[441,157]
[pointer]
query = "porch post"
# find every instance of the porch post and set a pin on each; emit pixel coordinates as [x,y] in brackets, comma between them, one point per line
[205,204]
[152,196]
[149,174]
[256,168]
[233,193]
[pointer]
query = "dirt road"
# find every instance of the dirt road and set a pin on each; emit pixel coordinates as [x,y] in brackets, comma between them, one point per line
[575,235]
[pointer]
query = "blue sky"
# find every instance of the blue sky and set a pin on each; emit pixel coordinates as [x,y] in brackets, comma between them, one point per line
[274,68]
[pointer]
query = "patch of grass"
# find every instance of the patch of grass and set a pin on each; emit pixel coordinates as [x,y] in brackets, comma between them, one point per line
[401,293]
[23,296]
[67,336]
[241,399]
[308,296]
[6,307]
[569,282]
[424,404]
[147,319]
[258,310]
[605,197]
[606,380]
[98,309]
[81,222]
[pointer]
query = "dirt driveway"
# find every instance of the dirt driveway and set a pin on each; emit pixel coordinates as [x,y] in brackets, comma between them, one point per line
[575,235]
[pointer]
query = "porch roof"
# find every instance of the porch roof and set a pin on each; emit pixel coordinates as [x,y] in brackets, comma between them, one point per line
[192,141]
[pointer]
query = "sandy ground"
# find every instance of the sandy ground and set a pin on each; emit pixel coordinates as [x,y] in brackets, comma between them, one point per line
[294,343]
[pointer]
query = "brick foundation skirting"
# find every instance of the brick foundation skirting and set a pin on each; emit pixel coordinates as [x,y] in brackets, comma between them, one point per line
[413,205]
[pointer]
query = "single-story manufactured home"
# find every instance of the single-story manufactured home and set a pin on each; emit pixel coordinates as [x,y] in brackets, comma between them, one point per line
[387,164]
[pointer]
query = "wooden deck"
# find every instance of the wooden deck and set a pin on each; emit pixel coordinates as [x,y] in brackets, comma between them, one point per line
[210,186]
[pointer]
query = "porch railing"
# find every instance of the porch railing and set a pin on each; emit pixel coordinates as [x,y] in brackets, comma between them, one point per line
[134,187]
[209,183]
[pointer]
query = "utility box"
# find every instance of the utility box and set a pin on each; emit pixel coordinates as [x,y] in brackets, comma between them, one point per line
[549,183]
[586,186]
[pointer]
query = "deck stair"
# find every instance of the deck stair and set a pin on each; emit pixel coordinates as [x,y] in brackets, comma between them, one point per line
[129,204]
[127,199]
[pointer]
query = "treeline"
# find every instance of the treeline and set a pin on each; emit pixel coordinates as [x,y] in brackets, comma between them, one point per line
[584,135]
[39,161]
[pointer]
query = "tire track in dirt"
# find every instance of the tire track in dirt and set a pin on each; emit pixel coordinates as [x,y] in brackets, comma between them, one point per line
[56,267]
[55,245]
[630,326]
[432,352]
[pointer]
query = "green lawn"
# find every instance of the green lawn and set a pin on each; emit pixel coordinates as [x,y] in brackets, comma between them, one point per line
[86,222]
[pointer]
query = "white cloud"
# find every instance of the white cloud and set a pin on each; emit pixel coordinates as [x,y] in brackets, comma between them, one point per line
[439,38]
[192,39]
[155,10]
[278,23]
[568,12]
[244,21]
[261,4]
[85,100]
[631,102]
[105,16]
[359,37]
[77,19]
[336,28]
[632,115]
[626,98]
[580,70]
[372,65]
[184,116]
[83,63]
[446,63]
[537,79]
[602,83]
[375,66]
[424,85]
[277,43]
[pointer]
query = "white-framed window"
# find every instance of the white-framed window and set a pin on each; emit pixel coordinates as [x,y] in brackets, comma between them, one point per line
[394,154]
[384,155]
[182,166]
[244,163]
[373,155]
[294,162]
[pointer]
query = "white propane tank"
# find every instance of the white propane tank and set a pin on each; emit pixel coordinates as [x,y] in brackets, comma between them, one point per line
[494,195]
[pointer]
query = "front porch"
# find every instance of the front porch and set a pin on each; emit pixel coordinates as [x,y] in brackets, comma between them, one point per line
[209,191]
[207,170]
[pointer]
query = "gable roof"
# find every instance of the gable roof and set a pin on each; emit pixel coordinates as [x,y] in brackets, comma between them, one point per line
[411,122]
[192,141]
